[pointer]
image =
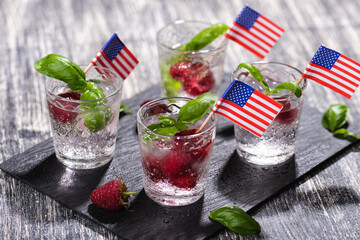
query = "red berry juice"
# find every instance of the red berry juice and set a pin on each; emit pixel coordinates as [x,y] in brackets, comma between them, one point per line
[175,168]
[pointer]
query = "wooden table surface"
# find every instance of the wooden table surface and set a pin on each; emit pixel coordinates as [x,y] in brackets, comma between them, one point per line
[324,204]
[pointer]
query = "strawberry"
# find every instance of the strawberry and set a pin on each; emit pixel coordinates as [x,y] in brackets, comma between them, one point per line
[111,196]
[66,113]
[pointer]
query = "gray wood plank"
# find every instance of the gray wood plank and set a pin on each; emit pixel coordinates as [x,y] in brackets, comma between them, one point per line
[30,29]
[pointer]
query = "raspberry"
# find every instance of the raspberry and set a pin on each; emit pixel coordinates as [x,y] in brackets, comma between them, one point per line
[111,196]
[66,113]
[181,71]
[187,180]
[199,83]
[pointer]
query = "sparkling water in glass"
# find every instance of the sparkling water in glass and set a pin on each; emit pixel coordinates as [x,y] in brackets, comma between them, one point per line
[84,132]
[175,168]
[278,142]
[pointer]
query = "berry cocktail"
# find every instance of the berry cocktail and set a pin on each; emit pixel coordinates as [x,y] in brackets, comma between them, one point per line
[187,72]
[175,167]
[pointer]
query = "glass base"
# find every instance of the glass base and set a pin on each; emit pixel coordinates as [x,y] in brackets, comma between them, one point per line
[84,163]
[174,197]
[259,159]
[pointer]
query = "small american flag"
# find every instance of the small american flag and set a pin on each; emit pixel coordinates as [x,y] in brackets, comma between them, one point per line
[115,56]
[254,32]
[334,70]
[247,107]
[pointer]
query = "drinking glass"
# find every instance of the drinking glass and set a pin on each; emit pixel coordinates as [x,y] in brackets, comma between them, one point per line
[277,144]
[84,131]
[175,167]
[189,73]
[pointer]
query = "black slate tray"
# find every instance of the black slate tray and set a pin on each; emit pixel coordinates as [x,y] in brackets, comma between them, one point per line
[231,181]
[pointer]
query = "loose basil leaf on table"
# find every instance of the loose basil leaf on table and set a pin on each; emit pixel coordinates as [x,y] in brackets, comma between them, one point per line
[335,117]
[236,220]
[61,68]
[205,37]
[342,133]
[195,109]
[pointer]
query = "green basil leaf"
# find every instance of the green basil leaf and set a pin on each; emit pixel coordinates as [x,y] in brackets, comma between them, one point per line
[181,126]
[196,108]
[335,117]
[205,37]
[291,86]
[170,85]
[125,108]
[92,92]
[236,220]
[342,133]
[164,130]
[61,68]
[97,118]
[256,75]
[167,121]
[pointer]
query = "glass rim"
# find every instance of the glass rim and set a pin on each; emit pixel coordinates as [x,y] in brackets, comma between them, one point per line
[304,81]
[203,132]
[181,21]
[57,97]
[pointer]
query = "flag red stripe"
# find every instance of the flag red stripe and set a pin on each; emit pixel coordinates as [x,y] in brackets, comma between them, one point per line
[245,46]
[266,35]
[350,60]
[249,105]
[112,66]
[349,66]
[247,113]
[270,100]
[233,120]
[131,55]
[326,85]
[273,24]
[123,57]
[346,72]
[122,65]
[313,65]
[329,78]
[252,41]
[262,105]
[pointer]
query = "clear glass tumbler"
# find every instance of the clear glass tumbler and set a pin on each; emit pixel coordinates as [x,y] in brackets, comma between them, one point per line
[175,167]
[278,142]
[84,132]
[189,74]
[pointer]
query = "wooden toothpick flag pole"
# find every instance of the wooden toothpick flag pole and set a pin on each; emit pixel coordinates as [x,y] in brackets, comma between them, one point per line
[299,81]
